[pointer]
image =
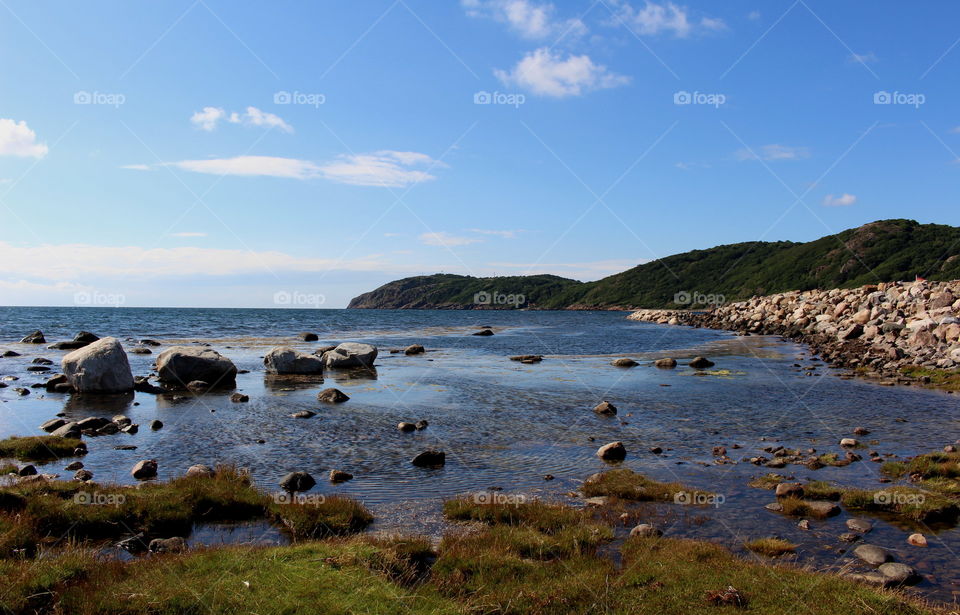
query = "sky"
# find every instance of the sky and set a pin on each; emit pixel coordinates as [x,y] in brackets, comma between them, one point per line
[296,153]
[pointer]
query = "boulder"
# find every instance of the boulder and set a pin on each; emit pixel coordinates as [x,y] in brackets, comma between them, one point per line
[297,481]
[85,337]
[145,469]
[665,363]
[849,442]
[339,476]
[67,430]
[351,354]
[309,337]
[168,545]
[34,338]
[872,554]
[859,525]
[239,398]
[429,459]
[605,408]
[917,540]
[71,345]
[614,451]
[483,333]
[414,349]
[788,490]
[332,396]
[406,426]
[53,425]
[201,470]
[99,367]
[180,365]
[645,530]
[286,360]
[897,574]
[624,362]
[83,476]
[701,363]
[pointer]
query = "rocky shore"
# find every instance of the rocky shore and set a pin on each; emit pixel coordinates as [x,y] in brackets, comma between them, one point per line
[899,331]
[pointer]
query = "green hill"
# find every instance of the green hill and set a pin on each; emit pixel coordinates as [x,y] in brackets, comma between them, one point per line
[882,251]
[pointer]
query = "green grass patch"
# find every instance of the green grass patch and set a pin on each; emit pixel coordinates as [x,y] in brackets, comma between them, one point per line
[948,379]
[907,503]
[797,507]
[536,514]
[629,485]
[822,490]
[771,547]
[767,481]
[333,516]
[39,448]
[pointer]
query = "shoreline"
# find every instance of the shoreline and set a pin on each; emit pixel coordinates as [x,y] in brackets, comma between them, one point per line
[898,333]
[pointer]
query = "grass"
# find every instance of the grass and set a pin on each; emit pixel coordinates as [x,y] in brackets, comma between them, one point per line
[508,567]
[536,514]
[907,503]
[767,481]
[629,485]
[38,513]
[796,507]
[822,490]
[947,379]
[930,465]
[771,547]
[39,448]
[7,468]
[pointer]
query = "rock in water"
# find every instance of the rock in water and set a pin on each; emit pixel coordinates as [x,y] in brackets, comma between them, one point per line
[701,363]
[605,408]
[615,451]
[897,574]
[34,338]
[180,365]
[665,363]
[429,459]
[86,337]
[917,540]
[309,337]
[406,426]
[168,545]
[414,349]
[201,470]
[872,554]
[239,398]
[286,360]
[351,354]
[789,490]
[645,530]
[339,476]
[100,367]
[145,469]
[483,333]
[297,481]
[332,396]
[624,362]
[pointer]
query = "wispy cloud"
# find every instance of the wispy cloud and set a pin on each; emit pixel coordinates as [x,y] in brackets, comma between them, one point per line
[17,139]
[189,234]
[548,73]
[654,18]
[210,117]
[252,166]
[445,240]
[531,20]
[386,168]
[506,234]
[136,167]
[844,200]
[864,58]
[773,152]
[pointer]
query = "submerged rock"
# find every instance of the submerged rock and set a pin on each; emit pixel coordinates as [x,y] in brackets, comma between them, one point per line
[339,476]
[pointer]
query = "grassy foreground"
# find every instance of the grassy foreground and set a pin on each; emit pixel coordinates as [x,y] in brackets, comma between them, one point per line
[533,559]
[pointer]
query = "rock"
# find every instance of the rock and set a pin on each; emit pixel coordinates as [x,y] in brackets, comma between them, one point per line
[701,363]
[605,408]
[483,333]
[99,367]
[53,425]
[849,442]
[789,490]
[180,365]
[74,466]
[665,363]
[861,431]
[645,530]
[421,425]
[297,481]
[67,430]
[149,342]
[406,427]
[86,337]
[21,391]
[168,545]
[656,450]
[239,398]
[198,386]
[332,396]
[92,423]
[870,578]
[309,337]
[140,350]
[527,358]
[896,574]
[414,349]
[597,502]
[34,338]
[624,362]
[83,476]
[286,360]
[822,509]
[303,414]
[850,333]
[614,451]
[339,476]
[156,424]
[132,428]
[42,361]
[67,345]
[859,525]
[917,540]
[804,524]
[719,451]
[9,353]
[849,537]
[27,470]
[872,554]
[145,469]
[774,506]
[125,447]
[121,419]
[54,381]
[201,470]
[141,384]
[429,459]
[949,449]
[351,354]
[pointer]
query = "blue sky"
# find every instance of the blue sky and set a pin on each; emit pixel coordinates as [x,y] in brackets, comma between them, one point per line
[294,153]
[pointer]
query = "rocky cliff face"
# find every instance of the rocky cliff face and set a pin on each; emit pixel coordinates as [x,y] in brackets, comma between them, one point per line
[883,327]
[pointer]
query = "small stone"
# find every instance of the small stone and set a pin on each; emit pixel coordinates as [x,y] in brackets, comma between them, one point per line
[429,459]
[201,470]
[917,540]
[719,451]
[859,525]
[701,363]
[803,524]
[624,362]
[895,573]
[614,451]
[332,396]
[297,481]
[605,408]
[849,442]
[665,363]
[168,545]
[156,424]
[849,537]
[83,475]
[406,427]
[656,450]
[303,414]
[414,349]
[339,476]
[872,554]
[74,466]
[645,530]
[788,490]
[145,469]
[421,425]
[861,431]
[239,398]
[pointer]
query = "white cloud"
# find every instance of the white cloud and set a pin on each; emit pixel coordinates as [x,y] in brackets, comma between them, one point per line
[188,234]
[656,18]
[506,234]
[252,166]
[774,152]
[445,240]
[211,116]
[844,200]
[955,130]
[530,20]
[753,15]
[857,58]
[686,166]
[386,168]
[546,73]
[16,139]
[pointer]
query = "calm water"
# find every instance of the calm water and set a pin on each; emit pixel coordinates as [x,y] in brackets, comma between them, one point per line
[501,423]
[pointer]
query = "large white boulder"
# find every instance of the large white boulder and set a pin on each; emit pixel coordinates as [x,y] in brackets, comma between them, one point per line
[100,367]
[286,360]
[351,354]
[181,365]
